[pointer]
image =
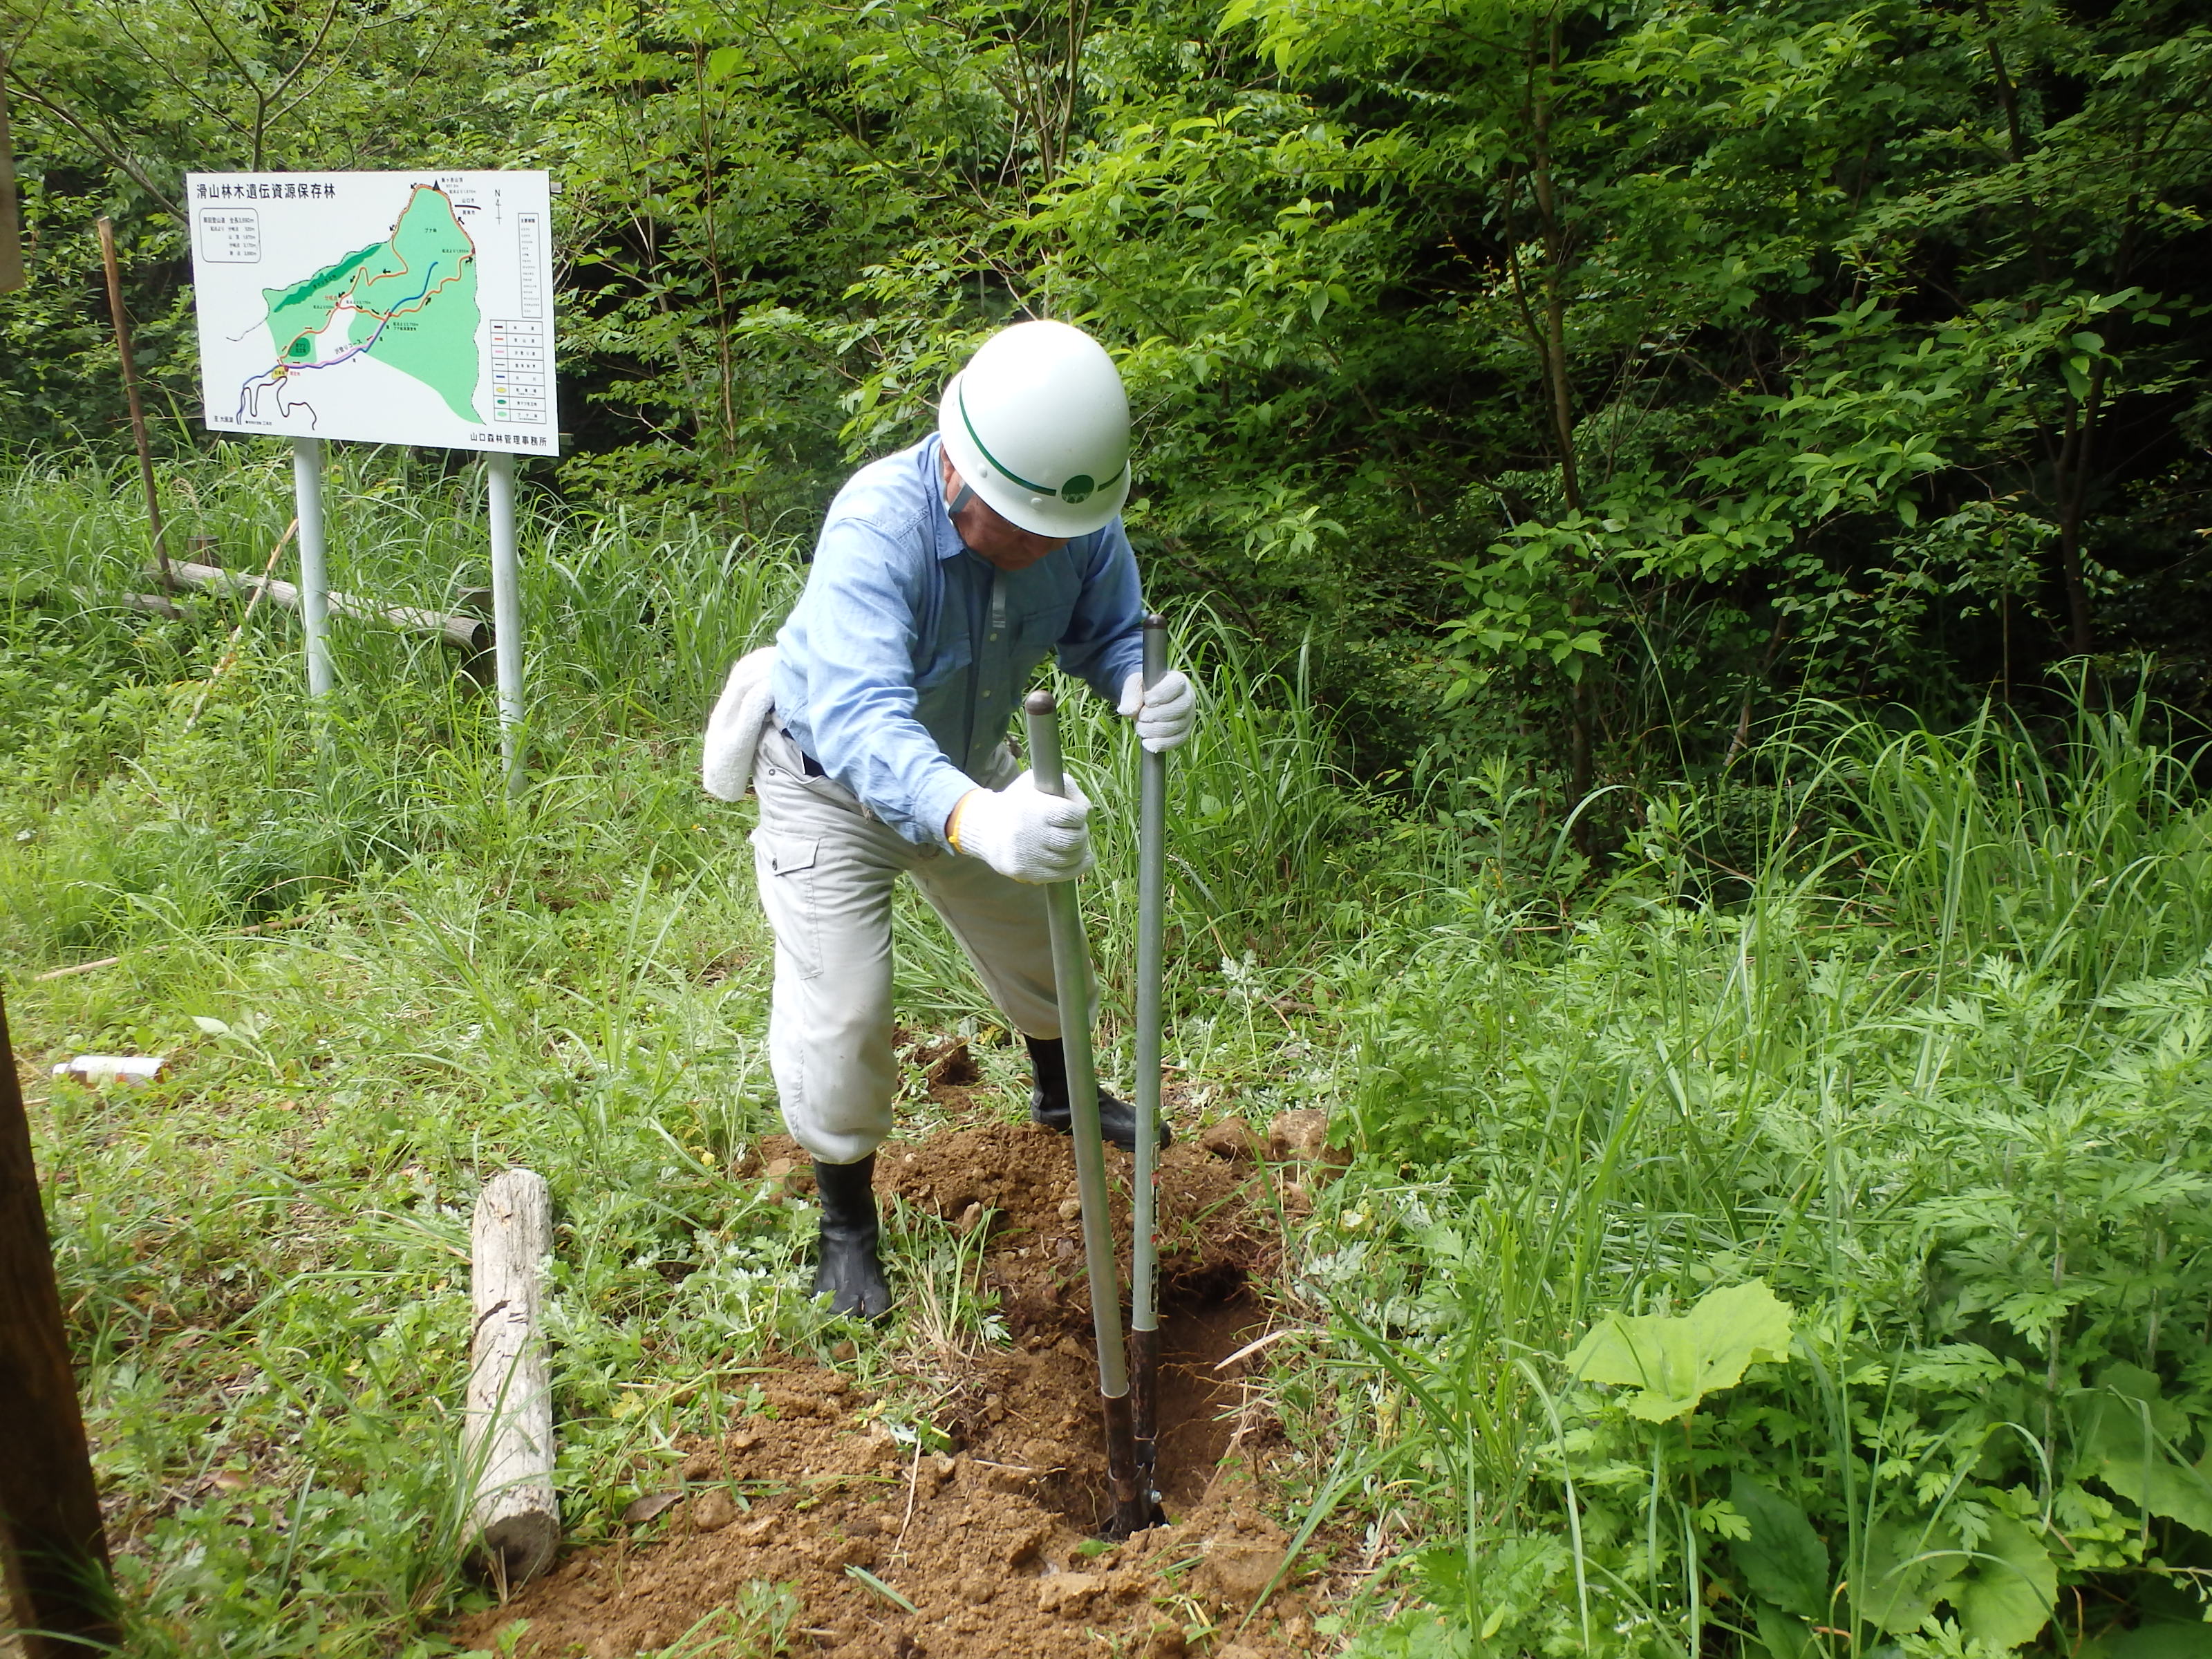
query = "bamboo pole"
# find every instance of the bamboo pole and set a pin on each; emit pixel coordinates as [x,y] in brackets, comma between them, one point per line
[53,1551]
[238,631]
[106,227]
[1070,973]
[1151,949]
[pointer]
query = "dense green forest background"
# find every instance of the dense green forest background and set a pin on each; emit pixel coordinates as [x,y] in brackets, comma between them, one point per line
[1597,379]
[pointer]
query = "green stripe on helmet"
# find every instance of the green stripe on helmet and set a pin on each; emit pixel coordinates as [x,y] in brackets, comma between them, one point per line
[1081,484]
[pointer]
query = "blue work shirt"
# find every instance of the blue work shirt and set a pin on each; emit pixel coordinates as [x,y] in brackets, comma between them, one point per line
[907,653]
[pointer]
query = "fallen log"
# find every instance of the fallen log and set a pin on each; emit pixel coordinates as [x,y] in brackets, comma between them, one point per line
[84,598]
[507,1436]
[471,635]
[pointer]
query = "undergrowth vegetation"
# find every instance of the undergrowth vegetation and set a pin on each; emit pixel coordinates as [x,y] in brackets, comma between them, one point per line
[1791,1238]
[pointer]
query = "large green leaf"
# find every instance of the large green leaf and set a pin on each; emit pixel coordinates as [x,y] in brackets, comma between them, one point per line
[1909,1566]
[1786,1636]
[2127,1435]
[2177,1640]
[1677,1359]
[2005,1594]
[1783,1561]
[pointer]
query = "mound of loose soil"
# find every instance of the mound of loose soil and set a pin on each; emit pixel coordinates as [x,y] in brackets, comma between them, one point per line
[992,1543]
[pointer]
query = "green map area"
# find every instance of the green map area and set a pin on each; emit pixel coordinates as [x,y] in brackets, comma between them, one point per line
[414,299]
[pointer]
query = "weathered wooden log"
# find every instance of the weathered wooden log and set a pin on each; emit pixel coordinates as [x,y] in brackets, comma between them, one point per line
[83,599]
[472,636]
[151,605]
[507,1439]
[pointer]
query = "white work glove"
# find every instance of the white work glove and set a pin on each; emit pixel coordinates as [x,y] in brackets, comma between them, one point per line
[1021,831]
[1165,713]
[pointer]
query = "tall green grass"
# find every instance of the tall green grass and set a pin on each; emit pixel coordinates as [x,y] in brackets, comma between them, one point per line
[1909,1024]
[1939,1080]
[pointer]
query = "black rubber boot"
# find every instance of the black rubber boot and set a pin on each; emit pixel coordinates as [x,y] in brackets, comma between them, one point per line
[1117,1119]
[849,1273]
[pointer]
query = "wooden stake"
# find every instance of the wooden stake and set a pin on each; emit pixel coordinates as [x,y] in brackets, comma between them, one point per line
[53,1551]
[130,392]
[11,225]
[508,1439]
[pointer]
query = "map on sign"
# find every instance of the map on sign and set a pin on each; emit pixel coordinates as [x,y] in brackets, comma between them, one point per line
[388,307]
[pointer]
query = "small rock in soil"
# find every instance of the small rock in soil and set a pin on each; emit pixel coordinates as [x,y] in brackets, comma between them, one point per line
[1238,1572]
[700,1466]
[1068,1593]
[976,1588]
[1302,1137]
[1233,1138]
[653,1503]
[711,1511]
[1070,1208]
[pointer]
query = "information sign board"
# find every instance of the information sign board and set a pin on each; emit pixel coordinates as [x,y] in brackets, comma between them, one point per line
[387,307]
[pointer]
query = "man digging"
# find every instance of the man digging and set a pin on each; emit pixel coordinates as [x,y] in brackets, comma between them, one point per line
[875,736]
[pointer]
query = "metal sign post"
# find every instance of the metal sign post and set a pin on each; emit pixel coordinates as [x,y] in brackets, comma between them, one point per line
[314,573]
[506,612]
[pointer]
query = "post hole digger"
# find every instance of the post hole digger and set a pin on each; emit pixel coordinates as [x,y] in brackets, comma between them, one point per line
[1127,1375]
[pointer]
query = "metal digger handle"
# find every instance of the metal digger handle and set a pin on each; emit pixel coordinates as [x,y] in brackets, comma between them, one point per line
[1070,973]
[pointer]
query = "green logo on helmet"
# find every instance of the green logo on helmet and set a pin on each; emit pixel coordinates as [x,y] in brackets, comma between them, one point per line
[1078,489]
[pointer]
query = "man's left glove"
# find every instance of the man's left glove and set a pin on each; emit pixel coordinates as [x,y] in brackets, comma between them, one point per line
[1164,713]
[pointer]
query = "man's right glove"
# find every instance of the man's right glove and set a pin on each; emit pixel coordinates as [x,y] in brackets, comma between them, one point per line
[1021,831]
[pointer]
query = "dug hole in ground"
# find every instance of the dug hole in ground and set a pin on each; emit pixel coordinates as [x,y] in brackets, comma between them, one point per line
[992,1541]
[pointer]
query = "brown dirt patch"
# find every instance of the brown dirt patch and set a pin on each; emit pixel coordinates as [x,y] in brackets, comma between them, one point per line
[991,1542]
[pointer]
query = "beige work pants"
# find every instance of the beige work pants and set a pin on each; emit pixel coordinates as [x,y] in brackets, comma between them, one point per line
[825,870]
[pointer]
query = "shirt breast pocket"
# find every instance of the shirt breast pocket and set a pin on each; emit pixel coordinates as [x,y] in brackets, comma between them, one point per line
[950,658]
[1039,628]
[942,669]
[940,690]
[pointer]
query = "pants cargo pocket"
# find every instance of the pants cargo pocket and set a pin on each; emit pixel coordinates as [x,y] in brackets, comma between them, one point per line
[785,867]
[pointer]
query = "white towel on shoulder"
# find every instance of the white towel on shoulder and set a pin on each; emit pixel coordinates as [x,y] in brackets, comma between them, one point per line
[733,730]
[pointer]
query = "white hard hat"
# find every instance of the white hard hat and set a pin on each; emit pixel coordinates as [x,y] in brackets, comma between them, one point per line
[1038,425]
